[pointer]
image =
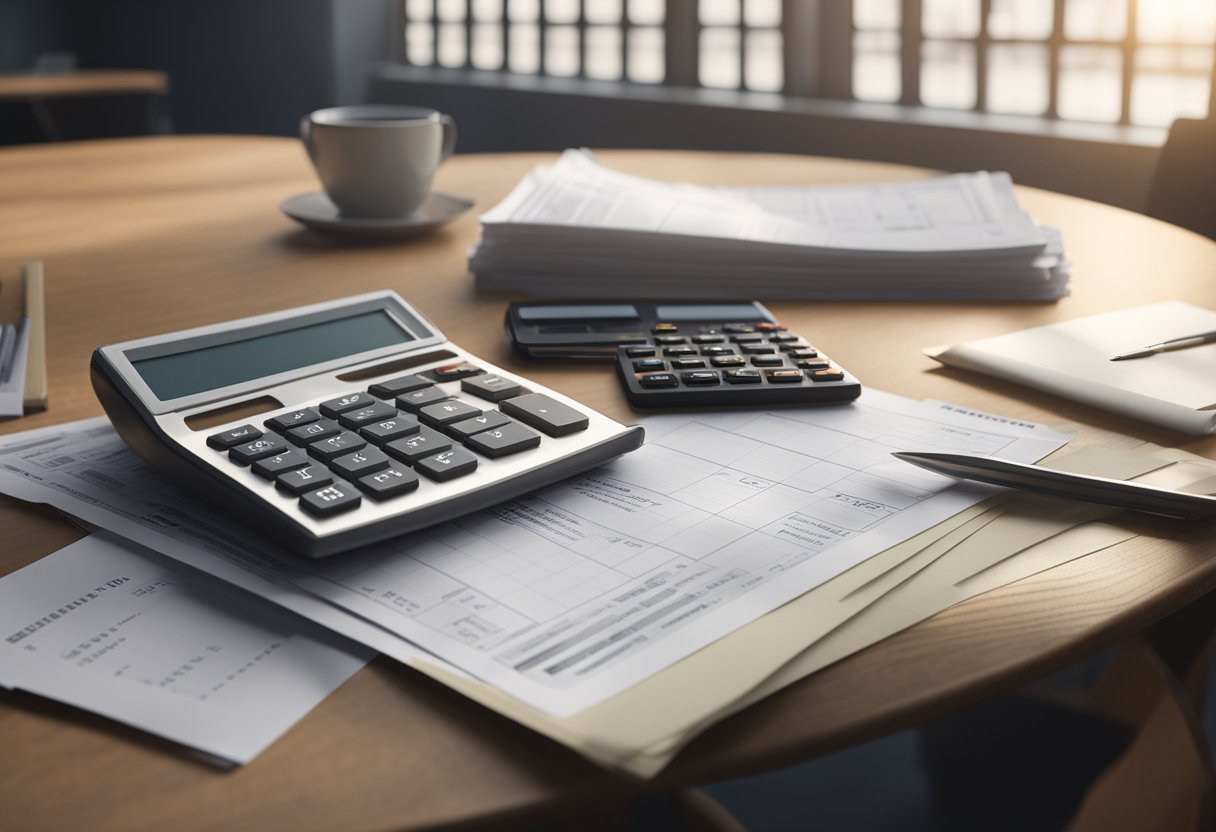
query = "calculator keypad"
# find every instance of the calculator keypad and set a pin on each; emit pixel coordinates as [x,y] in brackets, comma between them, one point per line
[382,442]
[708,364]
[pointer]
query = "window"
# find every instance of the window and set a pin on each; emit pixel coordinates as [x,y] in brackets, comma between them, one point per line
[1138,62]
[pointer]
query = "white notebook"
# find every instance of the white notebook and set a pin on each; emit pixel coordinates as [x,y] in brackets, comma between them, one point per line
[1176,390]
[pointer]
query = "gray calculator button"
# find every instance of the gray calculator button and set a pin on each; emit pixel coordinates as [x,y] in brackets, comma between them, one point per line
[288,460]
[803,352]
[236,436]
[688,363]
[295,418]
[336,446]
[812,363]
[395,387]
[728,361]
[676,352]
[366,415]
[444,413]
[783,376]
[319,429]
[708,339]
[423,443]
[447,465]
[490,387]
[783,338]
[391,482]
[741,376]
[255,450]
[353,466]
[502,441]
[334,498]
[767,361]
[334,407]
[468,427]
[758,349]
[700,378]
[545,414]
[381,433]
[421,398]
[748,338]
[640,352]
[304,479]
[719,349]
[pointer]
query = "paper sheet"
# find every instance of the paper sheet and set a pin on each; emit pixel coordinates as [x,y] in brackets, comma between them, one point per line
[571,595]
[112,628]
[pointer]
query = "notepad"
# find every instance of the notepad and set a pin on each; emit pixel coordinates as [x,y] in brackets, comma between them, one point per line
[1175,390]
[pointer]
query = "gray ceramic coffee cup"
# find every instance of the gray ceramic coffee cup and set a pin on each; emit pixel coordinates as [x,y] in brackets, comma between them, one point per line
[376,161]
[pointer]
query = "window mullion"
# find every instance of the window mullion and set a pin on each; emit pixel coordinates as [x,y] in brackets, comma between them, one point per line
[911,38]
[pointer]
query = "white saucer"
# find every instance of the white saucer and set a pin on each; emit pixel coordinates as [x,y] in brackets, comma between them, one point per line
[316,211]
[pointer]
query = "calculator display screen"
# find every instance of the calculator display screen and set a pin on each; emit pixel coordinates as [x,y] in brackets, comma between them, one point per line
[195,371]
[578,312]
[709,312]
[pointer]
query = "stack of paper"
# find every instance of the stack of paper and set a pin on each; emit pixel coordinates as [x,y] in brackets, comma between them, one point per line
[578,229]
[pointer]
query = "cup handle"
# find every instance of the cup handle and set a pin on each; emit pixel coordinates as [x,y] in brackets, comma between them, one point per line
[449,136]
[306,137]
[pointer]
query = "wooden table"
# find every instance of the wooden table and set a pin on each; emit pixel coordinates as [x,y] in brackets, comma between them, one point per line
[143,236]
[38,88]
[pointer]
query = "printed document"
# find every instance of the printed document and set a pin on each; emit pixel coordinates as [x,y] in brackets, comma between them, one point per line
[114,629]
[570,595]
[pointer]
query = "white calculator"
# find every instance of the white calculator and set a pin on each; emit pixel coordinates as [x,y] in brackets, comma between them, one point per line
[369,423]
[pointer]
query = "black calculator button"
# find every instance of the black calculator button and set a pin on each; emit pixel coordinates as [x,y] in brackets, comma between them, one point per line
[784,376]
[665,327]
[304,479]
[668,340]
[334,498]
[421,398]
[648,364]
[366,415]
[447,465]
[652,381]
[687,363]
[794,346]
[502,441]
[423,443]
[288,460]
[680,352]
[728,361]
[708,339]
[749,338]
[333,407]
[700,378]
[639,352]
[466,428]
[813,364]
[717,350]
[453,372]
[831,374]
[257,449]
[545,414]
[757,349]
[783,338]
[767,361]
[395,387]
[353,466]
[336,446]
[741,376]
[236,436]
[381,433]
[295,418]
[444,413]
[490,387]
[391,482]
[313,431]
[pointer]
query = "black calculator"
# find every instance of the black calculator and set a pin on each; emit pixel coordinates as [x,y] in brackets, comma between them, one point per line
[686,354]
[337,425]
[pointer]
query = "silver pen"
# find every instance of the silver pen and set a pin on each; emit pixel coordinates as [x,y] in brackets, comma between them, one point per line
[8,351]
[1149,499]
[1170,345]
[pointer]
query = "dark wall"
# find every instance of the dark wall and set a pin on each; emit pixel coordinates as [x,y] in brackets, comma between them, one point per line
[235,66]
[27,29]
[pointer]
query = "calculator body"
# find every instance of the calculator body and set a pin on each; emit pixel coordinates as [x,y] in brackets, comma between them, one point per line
[463,434]
[678,354]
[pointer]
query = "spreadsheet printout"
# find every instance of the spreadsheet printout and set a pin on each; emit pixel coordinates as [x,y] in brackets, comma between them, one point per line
[111,628]
[580,590]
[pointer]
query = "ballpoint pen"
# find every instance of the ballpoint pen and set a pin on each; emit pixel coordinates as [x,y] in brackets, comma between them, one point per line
[1149,499]
[1170,345]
